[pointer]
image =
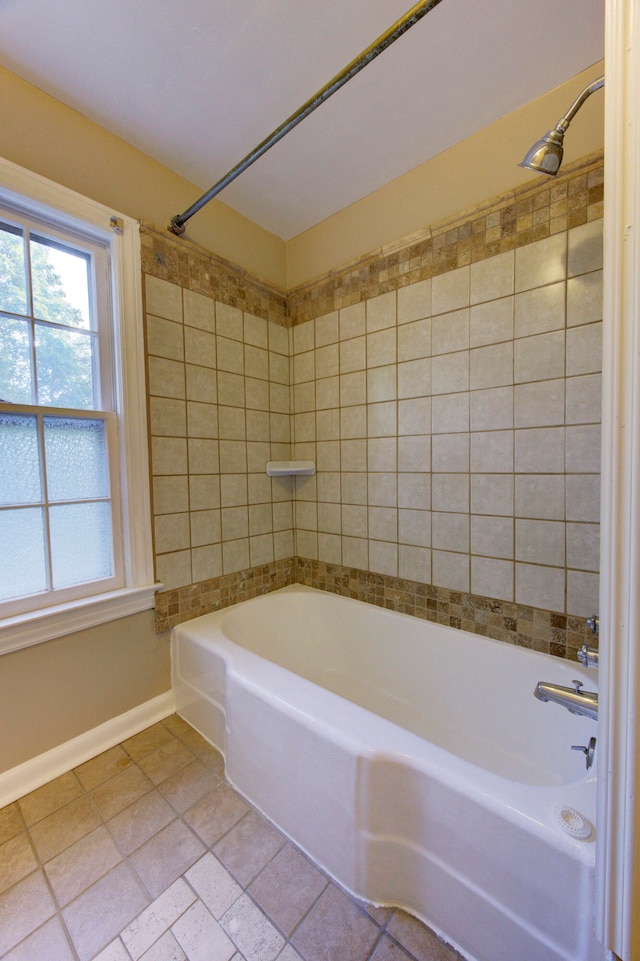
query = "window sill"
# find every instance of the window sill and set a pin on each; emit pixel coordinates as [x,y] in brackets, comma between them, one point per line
[25,630]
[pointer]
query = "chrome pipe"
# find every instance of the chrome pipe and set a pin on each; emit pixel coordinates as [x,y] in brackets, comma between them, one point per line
[400,27]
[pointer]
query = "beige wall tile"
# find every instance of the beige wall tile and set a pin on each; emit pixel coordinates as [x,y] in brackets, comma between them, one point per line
[201,384]
[235,555]
[492,452]
[584,349]
[326,331]
[229,321]
[414,453]
[450,291]
[382,454]
[199,311]
[166,377]
[167,417]
[450,453]
[383,523]
[199,347]
[355,552]
[414,379]
[539,586]
[583,449]
[492,278]
[165,338]
[381,311]
[383,557]
[414,301]
[168,455]
[414,340]
[414,563]
[491,323]
[205,527]
[174,570]
[450,492]
[541,357]
[450,532]
[585,248]
[583,497]
[381,347]
[451,569]
[541,263]
[492,578]
[541,496]
[539,450]
[491,366]
[352,321]
[493,494]
[491,408]
[450,372]
[202,419]
[540,310]
[583,598]
[584,299]
[492,536]
[539,404]
[583,399]
[450,332]
[540,542]
[163,299]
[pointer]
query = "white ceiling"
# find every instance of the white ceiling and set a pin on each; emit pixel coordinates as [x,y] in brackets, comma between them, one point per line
[197,84]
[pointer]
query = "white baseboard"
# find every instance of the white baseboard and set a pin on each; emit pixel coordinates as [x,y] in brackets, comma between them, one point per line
[26,777]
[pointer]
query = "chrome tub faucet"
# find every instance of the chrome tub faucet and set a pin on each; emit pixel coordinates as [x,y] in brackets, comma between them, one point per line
[574,699]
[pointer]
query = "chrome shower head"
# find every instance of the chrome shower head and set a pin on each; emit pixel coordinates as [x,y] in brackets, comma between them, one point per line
[545,156]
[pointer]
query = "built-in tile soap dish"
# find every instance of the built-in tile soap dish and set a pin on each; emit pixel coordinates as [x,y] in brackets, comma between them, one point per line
[280,468]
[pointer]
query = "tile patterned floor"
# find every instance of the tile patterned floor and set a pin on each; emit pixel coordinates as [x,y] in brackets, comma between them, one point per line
[145,853]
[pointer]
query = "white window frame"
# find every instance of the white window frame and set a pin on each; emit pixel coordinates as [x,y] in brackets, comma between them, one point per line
[50,201]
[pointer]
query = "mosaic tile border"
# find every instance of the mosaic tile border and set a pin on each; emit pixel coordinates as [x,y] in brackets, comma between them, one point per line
[175,606]
[539,630]
[192,267]
[513,220]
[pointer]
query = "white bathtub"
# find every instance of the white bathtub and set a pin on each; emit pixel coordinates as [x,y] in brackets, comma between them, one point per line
[410,760]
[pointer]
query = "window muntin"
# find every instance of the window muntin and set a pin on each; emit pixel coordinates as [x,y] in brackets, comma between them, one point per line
[59,476]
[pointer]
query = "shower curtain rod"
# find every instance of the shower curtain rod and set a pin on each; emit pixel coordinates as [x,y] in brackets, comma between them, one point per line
[416,13]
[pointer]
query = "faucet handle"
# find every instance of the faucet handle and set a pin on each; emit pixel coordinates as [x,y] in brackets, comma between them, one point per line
[587,656]
[577,685]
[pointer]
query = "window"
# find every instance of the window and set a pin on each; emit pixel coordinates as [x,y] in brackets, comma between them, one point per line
[74,507]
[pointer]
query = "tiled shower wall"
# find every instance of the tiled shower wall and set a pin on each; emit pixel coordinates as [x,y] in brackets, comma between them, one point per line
[455,425]
[451,401]
[218,384]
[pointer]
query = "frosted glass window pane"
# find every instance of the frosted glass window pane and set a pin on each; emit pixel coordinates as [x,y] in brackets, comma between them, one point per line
[19,460]
[22,565]
[80,543]
[13,283]
[15,362]
[76,458]
[60,277]
[64,367]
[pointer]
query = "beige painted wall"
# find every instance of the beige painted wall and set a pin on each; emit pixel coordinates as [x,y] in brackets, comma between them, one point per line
[482,166]
[42,134]
[55,691]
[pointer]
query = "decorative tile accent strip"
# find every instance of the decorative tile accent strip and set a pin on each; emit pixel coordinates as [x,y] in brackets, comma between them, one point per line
[539,630]
[184,603]
[513,220]
[182,262]
[530,627]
